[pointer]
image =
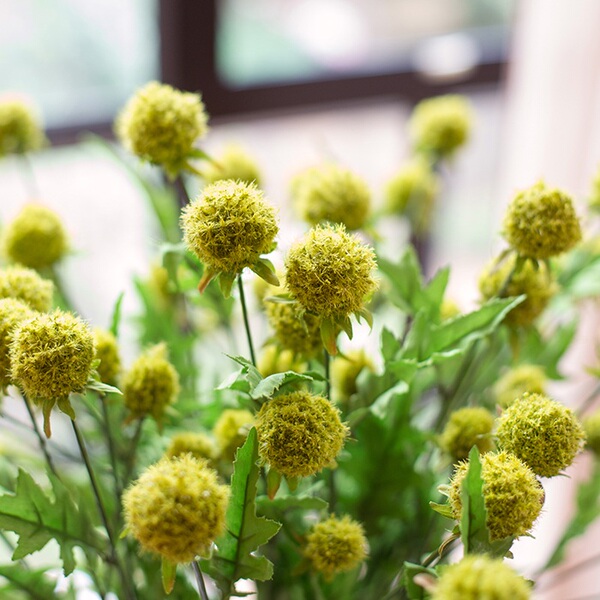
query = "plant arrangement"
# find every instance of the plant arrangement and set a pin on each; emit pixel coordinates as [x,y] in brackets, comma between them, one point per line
[297,466]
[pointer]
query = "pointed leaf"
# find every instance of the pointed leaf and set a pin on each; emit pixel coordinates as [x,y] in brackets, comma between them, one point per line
[264,268]
[329,333]
[226,281]
[115,319]
[169,573]
[35,584]
[269,385]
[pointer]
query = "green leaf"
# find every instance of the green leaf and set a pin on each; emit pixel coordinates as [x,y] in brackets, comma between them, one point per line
[102,388]
[236,556]
[36,519]
[389,345]
[265,270]
[226,281]
[35,584]
[329,333]
[273,508]
[443,509]
[414,590]
[115,319]
[269,385]
[168,573]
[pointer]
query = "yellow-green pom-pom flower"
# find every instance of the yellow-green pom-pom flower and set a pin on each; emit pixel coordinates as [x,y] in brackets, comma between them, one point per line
[336,545]
[299,434]
[541,222]
[345,371]
[536,282]
[228,227]
[441,125]
[176,509]
[479,577]
[518,380]
[151,384]
[275,360]
[234,163]
[161,124]
[12,313]
[231,431]
[467,427]
[591,426]
[199,445]
[107,350]
[26,285]
[20,129]
[36,237]
[513,497]
[543,433]
[331,193]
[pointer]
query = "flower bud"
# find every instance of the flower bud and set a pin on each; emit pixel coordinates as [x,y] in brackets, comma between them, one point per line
[518,380]
[234,163]
[345,371]
[231,431]
[199,445]
[20,129]
[467,427]
[107,350]
[26,285]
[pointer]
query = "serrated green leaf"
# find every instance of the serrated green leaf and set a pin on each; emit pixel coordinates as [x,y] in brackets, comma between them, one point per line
[269,385]
[35,584]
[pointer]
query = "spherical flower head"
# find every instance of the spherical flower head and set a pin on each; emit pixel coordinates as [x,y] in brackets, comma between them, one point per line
[594,199]
[36,238]
[543,433]
[536,282]
[441,125]
[541,222]
[231,431]
[229,226]
[591,426]
[468,427]
[107,350]
[199,445]
[513,497]
[20,129]
[176,509]
[234,163]
[26,285]
[12,313]
[330,273]
[299,434]
[331,193]
[275,360]
[161,124]
[151,384]
[412,191]
[294,331]
[345,371]
[478,576]
[518,380]
[336,545]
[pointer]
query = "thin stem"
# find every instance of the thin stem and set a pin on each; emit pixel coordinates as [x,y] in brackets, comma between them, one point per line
[331,477]
[132,450]
[42,440]
[327,362]
[182,193]
[111,448]
[246,321]
[199,580]
[29,179]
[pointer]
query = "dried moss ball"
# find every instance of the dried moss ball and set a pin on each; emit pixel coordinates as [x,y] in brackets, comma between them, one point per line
[345,371]
[331,193]
[12,313]
[536,283]
[293,331]
[468,427]
[480,577]
[591,426]
[441,125]
[329,272]
[513,496]
[543,433]
[20,129]
[26,285]
[231,431]
[176,509]
[234,163]
[299,434]
[160,124]
[336,545]
[541,222]
[518,380]
[107,350]
[36,237]
[51,355]
[151,384]
[199,445]
[229,226]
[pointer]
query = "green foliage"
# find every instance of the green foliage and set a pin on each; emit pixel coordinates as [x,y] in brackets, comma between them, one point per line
[25,583]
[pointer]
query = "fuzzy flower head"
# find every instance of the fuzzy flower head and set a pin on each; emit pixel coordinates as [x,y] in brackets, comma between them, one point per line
[36,238]
[12,313]
[176,509]
[543,433]
[234,163]
[160,124]
[478,576]
[26,285]
[439,126]
[20,129]
[345,371]
[199,445]
[541,222]
[231,431]
[299,434]
[51,357]
[336,545]
[536,282]
[151,384]
[412,191]
[107,350]
[228,227]
[275,360]
[331,193]
[513,497]
[518,380]
[591,426]
[467,427]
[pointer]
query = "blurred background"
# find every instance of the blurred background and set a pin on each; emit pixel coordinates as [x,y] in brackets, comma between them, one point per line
[297,81]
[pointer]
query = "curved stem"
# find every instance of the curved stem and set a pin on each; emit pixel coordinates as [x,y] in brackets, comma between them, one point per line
[199,580]
[246,320]
[132,450]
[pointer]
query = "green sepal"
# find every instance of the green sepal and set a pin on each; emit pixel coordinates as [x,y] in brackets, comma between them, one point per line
[169,572]
[199,153]
[47,406]
[273,483]
[226,281]
[264,268]
[365,314]
[345,324]
[281,299]
[206,278]
[443,509]
[329,333]
[292,483]
[102,388]
[64,405]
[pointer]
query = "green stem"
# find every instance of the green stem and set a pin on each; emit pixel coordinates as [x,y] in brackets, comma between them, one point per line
[246,320]
[199,580]
[131,456]
[40,437]
[29,179]
[111,448]
[331,476]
